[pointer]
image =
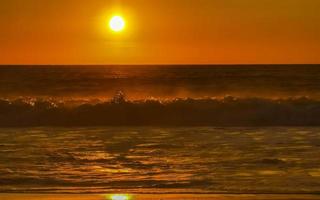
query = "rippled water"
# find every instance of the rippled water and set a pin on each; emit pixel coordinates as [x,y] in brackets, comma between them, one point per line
[160,160]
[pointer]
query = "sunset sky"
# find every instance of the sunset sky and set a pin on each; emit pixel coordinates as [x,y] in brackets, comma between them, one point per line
[160,32]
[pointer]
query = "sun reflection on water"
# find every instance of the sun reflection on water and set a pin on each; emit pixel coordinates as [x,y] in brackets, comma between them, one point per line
[120,197]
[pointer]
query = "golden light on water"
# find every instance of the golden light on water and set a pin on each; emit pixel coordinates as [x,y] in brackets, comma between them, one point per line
[117,24]
[120,197]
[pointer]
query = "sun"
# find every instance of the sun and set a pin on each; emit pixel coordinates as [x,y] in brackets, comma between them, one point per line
[117,24]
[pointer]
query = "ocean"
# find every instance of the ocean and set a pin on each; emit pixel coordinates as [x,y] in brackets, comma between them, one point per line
[160,160]
[140,82]
[247,129]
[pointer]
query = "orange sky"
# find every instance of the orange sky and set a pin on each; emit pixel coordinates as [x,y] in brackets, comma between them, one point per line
[160,32]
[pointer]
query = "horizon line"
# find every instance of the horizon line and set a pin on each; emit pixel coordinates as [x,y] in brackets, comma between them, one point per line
[174,64]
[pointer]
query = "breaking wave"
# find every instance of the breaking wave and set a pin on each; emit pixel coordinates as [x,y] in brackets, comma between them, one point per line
[227,111]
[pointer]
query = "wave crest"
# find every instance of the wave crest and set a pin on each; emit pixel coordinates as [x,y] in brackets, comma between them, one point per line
[227,111]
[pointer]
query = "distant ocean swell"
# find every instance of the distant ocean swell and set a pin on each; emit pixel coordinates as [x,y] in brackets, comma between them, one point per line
[227,111]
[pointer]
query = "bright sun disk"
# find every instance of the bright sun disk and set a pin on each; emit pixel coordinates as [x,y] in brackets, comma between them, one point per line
[117,24]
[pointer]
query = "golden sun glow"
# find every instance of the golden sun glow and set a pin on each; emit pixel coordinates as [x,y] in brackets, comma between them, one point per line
[117,24]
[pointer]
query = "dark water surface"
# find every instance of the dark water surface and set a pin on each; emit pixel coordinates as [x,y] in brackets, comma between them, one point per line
[160,160]
[140,82]
[155,159]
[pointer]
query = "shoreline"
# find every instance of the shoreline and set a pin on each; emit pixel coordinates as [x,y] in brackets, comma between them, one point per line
[12,196]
